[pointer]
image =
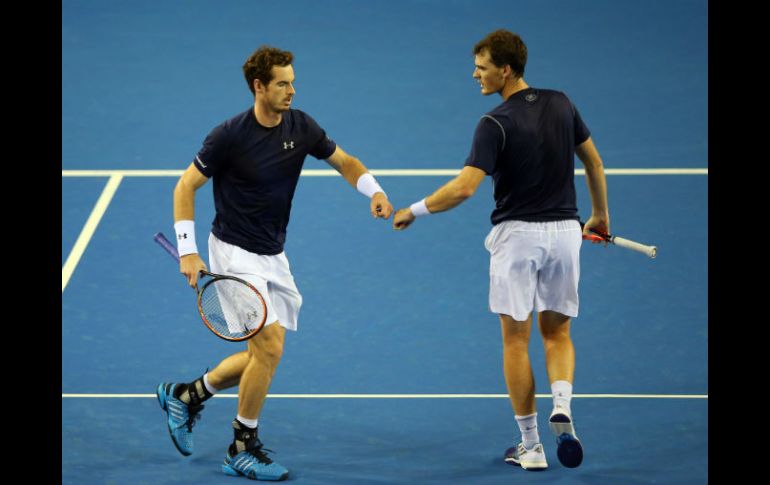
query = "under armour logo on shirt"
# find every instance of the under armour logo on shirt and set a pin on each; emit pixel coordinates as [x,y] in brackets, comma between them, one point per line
[288,145]
[182,236]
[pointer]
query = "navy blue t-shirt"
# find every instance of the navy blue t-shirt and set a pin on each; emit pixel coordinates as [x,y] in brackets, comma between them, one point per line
[255,171]
[527,144]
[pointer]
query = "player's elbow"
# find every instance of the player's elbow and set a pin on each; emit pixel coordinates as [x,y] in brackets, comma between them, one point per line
[179,188]
[182,187]
[593,164]
[465,191]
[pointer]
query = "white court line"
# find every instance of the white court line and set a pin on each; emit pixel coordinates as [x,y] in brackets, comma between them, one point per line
[383,172]
[408,396]
[89,229]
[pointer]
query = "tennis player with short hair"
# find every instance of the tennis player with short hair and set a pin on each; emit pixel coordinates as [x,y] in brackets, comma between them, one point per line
[528,145]
[255,159]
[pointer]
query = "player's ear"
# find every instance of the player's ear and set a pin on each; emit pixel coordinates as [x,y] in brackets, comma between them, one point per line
[508,72]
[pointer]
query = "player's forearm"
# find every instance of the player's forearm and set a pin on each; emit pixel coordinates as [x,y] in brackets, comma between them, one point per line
[184,202]
[597,187]
[351,170]
[448,197]
[595,179]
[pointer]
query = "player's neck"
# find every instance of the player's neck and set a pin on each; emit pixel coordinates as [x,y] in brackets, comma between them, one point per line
[265,116]
[513,87]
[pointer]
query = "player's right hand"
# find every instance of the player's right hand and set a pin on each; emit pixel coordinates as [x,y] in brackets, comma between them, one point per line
[600,224]
[190,265]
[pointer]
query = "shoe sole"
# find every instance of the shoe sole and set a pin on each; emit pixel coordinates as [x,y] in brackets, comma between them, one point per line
[569,450]
[159,392]
[533,468]
[228,470]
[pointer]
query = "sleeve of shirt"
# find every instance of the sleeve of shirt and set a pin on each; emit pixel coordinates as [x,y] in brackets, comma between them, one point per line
[487,144]
[213,154]
[321,146]
[581,130]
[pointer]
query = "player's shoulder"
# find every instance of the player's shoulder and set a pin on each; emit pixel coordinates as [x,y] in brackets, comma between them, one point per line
[500,113]
[300,120]
[234,123]
[555,94]
[551,92]
[299,116]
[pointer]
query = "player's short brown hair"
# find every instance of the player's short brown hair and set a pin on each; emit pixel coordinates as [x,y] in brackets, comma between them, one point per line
[504,47]
[261,61]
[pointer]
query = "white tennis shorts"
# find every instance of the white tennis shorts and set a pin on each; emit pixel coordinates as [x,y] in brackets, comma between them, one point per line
[270,274]
[534,265]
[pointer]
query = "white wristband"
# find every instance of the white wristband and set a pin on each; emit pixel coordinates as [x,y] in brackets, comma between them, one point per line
[185,238]
[419,208]
[368,186]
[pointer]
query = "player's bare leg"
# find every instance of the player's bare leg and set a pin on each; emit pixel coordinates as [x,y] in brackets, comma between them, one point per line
[529,452]
[228,373]
[246,455]
[560,363]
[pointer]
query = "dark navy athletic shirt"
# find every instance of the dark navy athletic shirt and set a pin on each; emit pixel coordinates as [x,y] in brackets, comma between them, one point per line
[527,144]
[255,171]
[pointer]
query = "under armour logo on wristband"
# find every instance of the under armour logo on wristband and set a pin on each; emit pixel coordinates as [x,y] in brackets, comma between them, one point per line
[288,145]
[182,236]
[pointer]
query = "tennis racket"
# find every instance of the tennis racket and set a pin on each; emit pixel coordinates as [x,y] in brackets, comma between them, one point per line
[650,251]
[230,307]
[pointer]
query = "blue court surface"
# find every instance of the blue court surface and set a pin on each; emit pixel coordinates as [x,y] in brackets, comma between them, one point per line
[395,375]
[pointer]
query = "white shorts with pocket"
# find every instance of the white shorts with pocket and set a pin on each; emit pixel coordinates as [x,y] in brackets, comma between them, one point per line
[270,274]
[534,265]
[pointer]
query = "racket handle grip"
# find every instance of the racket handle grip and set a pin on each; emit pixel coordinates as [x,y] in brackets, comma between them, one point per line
[166,244]
[650,251]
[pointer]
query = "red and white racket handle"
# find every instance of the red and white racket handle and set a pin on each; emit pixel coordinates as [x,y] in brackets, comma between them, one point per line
[651,251]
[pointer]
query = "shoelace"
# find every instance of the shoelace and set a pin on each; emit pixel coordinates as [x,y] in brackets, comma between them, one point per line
[193,416]
[260,455]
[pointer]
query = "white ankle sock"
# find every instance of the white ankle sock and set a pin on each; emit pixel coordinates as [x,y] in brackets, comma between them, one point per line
[562,394]
[209,387]
[528,428]
[251,423]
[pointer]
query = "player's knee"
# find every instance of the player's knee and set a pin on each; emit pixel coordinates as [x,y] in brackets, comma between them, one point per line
[515,332]
[267,346]
[554,326]
[515,343]
[273,351]
[516,340]
[554,333]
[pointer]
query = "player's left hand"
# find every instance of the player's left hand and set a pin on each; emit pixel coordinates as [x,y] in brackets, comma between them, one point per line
[403,219]
[380,206]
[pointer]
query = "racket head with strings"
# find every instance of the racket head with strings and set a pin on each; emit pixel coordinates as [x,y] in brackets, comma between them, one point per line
[232,308]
